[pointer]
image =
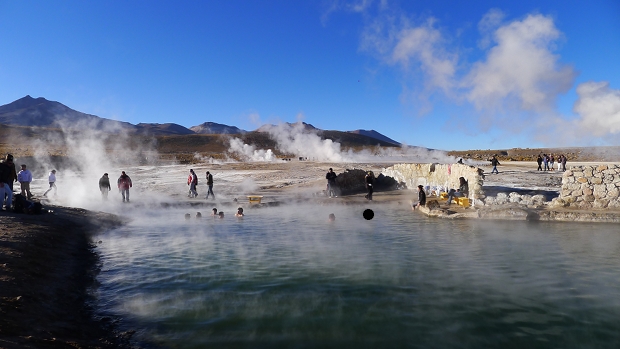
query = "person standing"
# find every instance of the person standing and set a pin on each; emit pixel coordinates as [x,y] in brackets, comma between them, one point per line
[8,162]
[210,185]
[539,160]
[192,180]
[52,181]
[563,162]
[104,186]
[5,189]
[421,198]
[124,183]
[546,162]
[551,161]
[331,183]
[495,162]
[24,177]
[369,180]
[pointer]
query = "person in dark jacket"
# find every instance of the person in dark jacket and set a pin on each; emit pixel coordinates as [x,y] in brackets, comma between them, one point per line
[494,163]
[462,191]
[210,185]
[124,183]
[331,183]
[421,198]
[104,186]
[539,160]
[5,180]
[8,162]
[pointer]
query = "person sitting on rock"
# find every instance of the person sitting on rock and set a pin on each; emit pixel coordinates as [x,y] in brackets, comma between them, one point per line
[421,198]
[462,191]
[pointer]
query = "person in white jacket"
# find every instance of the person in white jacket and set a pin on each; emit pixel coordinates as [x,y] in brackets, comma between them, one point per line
[24,177]
[52,181]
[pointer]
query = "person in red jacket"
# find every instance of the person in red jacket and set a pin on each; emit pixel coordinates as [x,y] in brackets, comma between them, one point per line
[124,183]
[192,181]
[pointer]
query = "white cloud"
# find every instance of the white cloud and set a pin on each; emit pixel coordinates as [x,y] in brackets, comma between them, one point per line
[487,25]
[424,46]
[599,109]
[520,72]
[416,49]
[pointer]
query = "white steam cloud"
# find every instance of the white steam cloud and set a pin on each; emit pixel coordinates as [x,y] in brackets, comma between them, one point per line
[248,152]
[520,71]
[300,141]
[599,108]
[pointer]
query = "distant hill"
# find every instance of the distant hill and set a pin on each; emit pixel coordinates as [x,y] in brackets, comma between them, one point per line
[215,128]
[374,134]
[164,129]
[40,112]
[268,127]
[28,111]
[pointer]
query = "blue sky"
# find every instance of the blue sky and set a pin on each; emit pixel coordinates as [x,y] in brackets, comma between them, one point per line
[440,74]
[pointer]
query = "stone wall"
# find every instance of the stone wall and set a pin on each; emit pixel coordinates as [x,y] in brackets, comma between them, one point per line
[590,187]
[442,176]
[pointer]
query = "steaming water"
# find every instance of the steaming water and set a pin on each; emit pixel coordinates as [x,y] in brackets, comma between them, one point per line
[289,278]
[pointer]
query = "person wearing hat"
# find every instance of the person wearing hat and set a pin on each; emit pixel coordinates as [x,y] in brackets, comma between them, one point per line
[104,186]
[369,180]
[421,198]
[331,183]
[52,182]
[24,177]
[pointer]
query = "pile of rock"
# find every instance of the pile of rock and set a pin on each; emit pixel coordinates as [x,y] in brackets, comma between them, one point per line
[590,187]
[526,200]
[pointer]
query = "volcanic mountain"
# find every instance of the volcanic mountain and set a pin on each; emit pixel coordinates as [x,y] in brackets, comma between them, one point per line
[28,111]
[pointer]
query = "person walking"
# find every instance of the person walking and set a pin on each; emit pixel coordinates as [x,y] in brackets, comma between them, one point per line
[539,160]
[24,177]
[369,180]
[210,185]
[104,186]
[124,183]
[331,183]
[52,181]
[546,162]
[192,180]
[494,162]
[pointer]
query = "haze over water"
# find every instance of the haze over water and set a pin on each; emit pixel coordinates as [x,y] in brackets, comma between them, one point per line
[284,277]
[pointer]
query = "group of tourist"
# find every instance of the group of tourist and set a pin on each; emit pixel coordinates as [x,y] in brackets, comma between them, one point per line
[215,213]
[192,181]
[123,183]
[549,160]
[8,176]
